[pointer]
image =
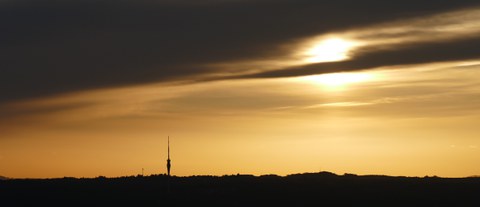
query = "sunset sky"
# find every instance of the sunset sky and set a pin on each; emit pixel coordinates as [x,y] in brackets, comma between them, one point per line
[94,87]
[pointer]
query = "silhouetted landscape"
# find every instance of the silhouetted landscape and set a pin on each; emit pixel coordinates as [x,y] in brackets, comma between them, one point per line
[308,189]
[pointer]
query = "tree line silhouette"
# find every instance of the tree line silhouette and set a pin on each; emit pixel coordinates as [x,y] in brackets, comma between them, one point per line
[307,189]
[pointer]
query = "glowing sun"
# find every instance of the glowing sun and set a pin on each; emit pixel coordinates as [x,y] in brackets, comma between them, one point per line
[329,50]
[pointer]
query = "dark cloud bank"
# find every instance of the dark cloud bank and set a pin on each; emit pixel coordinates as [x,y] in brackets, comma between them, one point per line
[51,47]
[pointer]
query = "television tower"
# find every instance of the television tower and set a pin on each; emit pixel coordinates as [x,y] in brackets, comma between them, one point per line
[168,159]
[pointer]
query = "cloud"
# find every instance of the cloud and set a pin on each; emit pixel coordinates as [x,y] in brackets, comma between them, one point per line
[52,47]
[385,57]
[8,112]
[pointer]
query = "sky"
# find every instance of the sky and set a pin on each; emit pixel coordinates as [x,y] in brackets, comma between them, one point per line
[94,87]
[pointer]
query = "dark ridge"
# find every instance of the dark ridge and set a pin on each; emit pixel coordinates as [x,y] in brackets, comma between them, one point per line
[309,189]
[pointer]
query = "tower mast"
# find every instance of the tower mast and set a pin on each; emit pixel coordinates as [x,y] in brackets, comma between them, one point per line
[168,158]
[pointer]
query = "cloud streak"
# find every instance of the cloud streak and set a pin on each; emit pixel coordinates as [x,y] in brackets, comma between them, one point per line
[370,59]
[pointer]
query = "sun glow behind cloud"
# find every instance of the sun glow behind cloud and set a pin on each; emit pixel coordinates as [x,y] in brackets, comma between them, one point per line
[329,50]
[317,49]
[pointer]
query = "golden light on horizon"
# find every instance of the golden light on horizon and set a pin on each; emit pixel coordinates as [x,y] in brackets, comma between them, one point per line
[329,50]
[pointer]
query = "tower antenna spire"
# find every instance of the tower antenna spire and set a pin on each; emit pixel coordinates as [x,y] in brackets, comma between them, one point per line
[168,158]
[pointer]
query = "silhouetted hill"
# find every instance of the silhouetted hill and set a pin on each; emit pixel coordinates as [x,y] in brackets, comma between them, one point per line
[3,178]
[309,189]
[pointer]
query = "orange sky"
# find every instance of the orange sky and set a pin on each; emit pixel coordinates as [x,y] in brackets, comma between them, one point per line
[401,119]
[411,122]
